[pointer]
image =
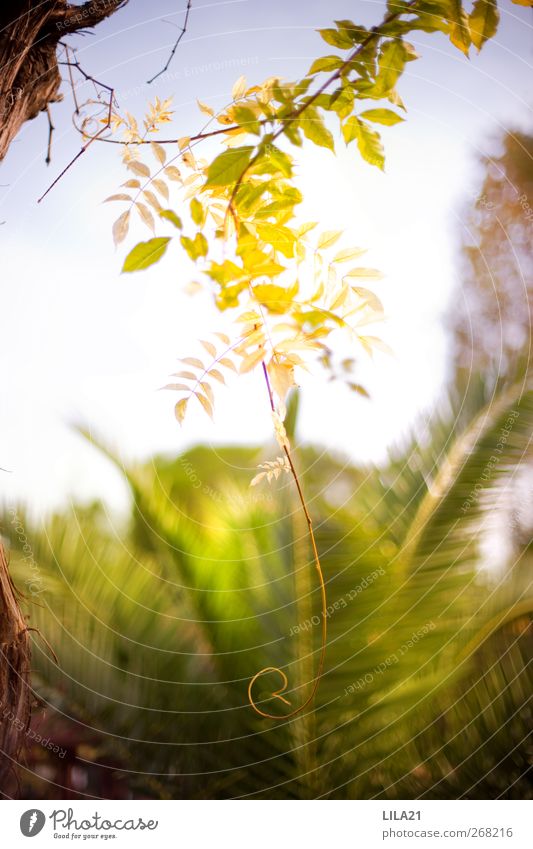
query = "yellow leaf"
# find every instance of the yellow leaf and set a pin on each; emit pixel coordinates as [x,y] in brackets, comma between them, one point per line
[257,478]
[364,273]
[159,152]
[251,315]
[161,187]
[368,298]
[256,335]
[180,409]
[227,363]
[348,254]
[371,343]
[138,168]
[209,347]
[188,374]
[328,238]
[251,361]
[117,197]
[184,142]
[146,215]
[305,228]
[280,432]
[173,173]
[203,107]
[340,299]
[131,184]
[189,160]
[192,361]
[206,404]
[178,387]
[281,377]
[120,227]
[239,88]
[152,200]
[217,375]
[318,293]
[208,391]
[223,338]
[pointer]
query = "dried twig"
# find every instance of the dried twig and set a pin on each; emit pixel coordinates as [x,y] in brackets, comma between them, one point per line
[72,63]
[183,30]
[51,129]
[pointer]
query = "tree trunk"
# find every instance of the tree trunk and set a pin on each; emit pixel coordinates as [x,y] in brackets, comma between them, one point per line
[29,75]
[14,674]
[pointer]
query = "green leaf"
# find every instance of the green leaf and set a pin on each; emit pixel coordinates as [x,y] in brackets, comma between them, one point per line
[350,129]
[280,160]
[459,28]
[315,130]
[368,141]
[293,134]
[483,21]
[246,118]
[228,166]
[392,59]
[275,298]
[382,116]
[145,254]
[197,212]
[342,101]
[355,33]
[197,247]
[226,272]
[170,215]
[336,38]
[281,238]
[326,63]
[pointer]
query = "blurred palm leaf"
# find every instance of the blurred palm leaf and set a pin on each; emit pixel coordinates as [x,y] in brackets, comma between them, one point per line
[159,625]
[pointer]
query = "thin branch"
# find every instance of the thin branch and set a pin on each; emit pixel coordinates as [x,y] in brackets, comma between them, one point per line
[197,137]
[51,129]
[183,30]
[73,63]
[70,62]
[277,694]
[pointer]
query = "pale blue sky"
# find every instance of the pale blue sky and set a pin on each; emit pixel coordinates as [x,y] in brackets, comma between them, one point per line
[80,342]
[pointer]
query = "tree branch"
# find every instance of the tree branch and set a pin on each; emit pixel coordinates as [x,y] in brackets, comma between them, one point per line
[183,30]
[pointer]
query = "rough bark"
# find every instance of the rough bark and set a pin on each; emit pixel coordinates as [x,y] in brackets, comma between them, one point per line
[14,674]
[29,75]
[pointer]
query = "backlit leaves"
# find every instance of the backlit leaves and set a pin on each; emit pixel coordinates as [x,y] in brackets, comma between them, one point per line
[145,254]
[120,227]
[382,116]
[228,166]
[459,26]
[195,380]
[272,470]
[239,88]
[368,141]
[326,63]
[315,130]
[483,22]
[288,289]
[138,168]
